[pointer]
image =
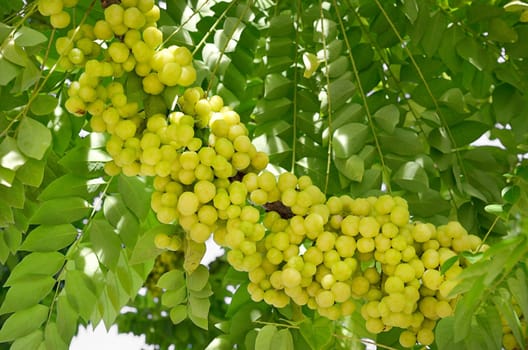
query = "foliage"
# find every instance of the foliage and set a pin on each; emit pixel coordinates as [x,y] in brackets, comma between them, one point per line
[365,97]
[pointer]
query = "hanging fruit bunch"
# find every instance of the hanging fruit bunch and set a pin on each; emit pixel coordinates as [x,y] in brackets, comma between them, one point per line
[297,244]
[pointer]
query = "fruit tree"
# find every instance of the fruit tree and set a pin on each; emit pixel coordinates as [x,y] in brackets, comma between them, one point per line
[360,164]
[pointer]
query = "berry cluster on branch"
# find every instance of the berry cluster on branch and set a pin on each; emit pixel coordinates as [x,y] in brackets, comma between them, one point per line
[327,254]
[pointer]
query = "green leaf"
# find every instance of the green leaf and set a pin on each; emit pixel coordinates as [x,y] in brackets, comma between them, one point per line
[135,93]
[412,177]
[44,104]
[466,306]
[353,167]
[71,185]
[501,31]
[467,131]
[267,110]
[33,138]
[317,333]
[371,181]
[145,249]
[30,341]
[448,264]
[198,310]
[489,321]
[15,54]
[339,91]
[502,301]
[5,30]
[32,172]
[198,306]
[4,249]
[337,68]
[444,334]
[36,264]
[511,194]
[60,211]
[403,142]
[12,237]
[455,100]
[233,79]
[173,279]
[26,292]
[6,177]
[516,6]
[10,156]
[197,280]
[108,312]
[23,322]
[273,127]
[66,318]
[222,342]
[48,238]
[272,145]
[349,113]
[282,340]
[265,337]
[53,339]
[30,75]
[122,219]
[27,36]
[387,117]
[205,292]
[410,8]
[80,293]
[6,214]
[519,289]
[115,291]
[240,298]
[250,339]
[496,209]
[84,161]
[433,33]
[172,298]
[194,253]
[8,71]
[106,243]
[13,195]
[61,129]
[349,139]
[276,86]
[136,195]
[131,276]
[153,104]
[178,314]
[469,49]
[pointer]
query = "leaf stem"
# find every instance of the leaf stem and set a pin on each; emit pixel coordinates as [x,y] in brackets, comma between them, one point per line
[329,101]
[488,233]
[276,324]
[295,81]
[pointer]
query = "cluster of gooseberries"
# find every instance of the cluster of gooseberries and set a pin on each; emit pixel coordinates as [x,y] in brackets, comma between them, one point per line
[56,10]
[330,253]
[297,245]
